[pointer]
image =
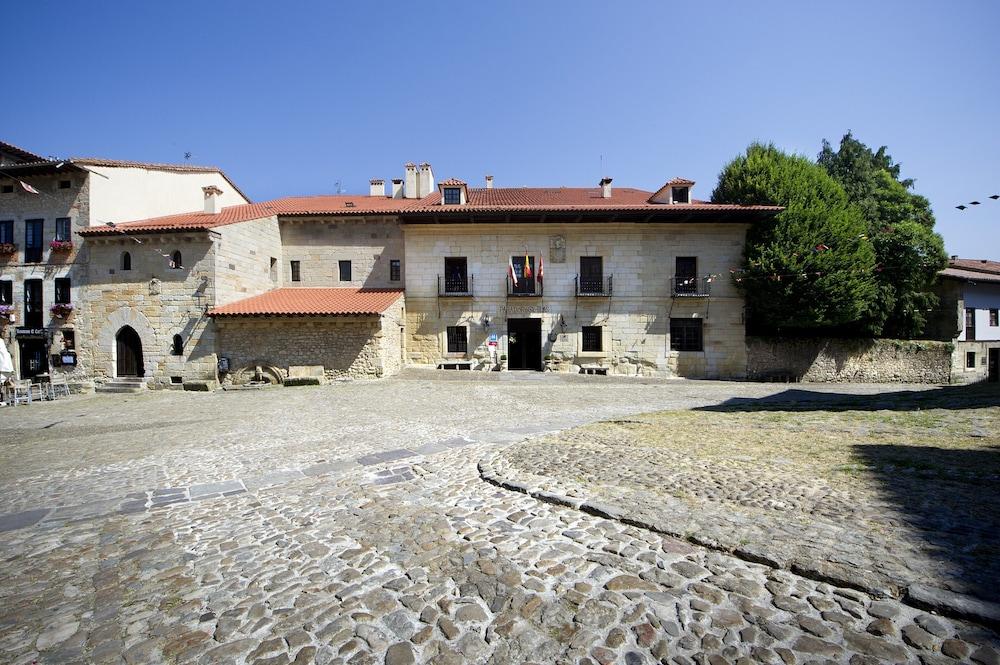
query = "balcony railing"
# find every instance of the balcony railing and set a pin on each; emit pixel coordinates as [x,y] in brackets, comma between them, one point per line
[526,288]
[455,287]
[589,286]
[690,287]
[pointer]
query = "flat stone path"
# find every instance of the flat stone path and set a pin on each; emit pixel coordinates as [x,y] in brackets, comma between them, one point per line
[407,559]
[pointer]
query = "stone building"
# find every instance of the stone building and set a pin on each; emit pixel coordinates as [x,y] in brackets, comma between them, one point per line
[44,203]
[601,280]
[968,315]
[605,280]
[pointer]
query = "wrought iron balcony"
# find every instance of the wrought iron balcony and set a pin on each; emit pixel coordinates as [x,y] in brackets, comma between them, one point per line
[525,288]
[590,287]
[459,286]
[690,287]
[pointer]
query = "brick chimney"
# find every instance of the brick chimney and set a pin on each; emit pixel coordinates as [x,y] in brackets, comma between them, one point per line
[212,204]
[376,187]
[606,188]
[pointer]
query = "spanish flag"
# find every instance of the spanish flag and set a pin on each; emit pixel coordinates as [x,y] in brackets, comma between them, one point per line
[527,266]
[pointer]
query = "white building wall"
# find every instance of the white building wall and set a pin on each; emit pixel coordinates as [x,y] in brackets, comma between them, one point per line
[127,194]
[982,298]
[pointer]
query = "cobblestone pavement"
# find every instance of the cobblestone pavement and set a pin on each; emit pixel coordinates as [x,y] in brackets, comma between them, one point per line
[414,559]
[933,535]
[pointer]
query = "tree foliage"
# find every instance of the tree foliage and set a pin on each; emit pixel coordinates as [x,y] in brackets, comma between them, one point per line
[908,253]
[810,267]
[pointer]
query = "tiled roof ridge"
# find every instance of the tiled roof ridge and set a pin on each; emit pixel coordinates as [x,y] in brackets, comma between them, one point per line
[10,147]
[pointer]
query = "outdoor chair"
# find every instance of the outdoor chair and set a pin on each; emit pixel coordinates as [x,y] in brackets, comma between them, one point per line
[58,387]
[22,393]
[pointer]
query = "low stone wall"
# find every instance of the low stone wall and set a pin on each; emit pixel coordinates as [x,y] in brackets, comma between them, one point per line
[848,360]
[343,346]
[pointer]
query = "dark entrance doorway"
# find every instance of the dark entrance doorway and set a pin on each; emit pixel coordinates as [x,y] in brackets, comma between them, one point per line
[34,357]
[129,359]
[524,344]
[993,364]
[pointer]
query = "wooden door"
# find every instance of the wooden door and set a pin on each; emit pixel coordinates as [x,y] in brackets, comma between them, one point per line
[129,348]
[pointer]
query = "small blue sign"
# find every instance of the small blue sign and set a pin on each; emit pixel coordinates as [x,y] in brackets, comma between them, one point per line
[493,338]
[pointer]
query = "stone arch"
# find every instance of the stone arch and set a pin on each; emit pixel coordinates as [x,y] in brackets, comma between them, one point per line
[129,316]
[126,261]
[257,371]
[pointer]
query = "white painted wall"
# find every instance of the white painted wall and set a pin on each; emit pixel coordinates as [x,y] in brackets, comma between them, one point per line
[128,194]
[983,298]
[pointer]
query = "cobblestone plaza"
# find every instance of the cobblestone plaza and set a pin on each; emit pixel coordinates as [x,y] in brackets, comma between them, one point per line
[350,523]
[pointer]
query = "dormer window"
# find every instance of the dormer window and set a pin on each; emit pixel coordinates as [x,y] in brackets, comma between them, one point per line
[676,190]
[453,192]
[680,194]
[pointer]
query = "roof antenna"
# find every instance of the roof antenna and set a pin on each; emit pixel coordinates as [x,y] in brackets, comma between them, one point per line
[601,174]
[337,185]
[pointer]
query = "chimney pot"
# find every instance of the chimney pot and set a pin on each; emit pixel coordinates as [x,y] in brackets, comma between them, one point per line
[212,204]
[411,186]
[489,182]
[376,187]
[606,188]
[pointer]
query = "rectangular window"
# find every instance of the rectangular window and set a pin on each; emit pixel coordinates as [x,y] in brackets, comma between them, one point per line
[345,270]
[686,274]
[458,339]
[394,270]
[452,195]
[296,274]
[273,269]
[33,303]
[592,338]
[994,318]
[62,229]
[62,290]
[685,335]
[65,184]
[970,324]
[33,240]
[6,231]
[680,194]
[525,284]
[456,274]
[6,189]
[6,292]
[970,359]
[69,339]
[591,274]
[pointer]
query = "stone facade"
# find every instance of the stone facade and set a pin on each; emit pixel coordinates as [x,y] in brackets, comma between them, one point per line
[320,243]
[52,202]
[970,362]
[849,360]
[354,347]
[635,318]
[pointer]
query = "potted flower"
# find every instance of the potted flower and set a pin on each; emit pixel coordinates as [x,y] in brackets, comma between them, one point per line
[6,313]
[61,309]
[61,245]
[7,248]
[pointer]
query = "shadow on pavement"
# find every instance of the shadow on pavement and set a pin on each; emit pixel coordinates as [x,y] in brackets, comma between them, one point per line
[973,396]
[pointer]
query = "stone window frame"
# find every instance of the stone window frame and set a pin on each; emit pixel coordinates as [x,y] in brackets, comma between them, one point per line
[395,270]
[295,271]
[446,342]
[970,360]
[605,342]
[677,341]
[62,293]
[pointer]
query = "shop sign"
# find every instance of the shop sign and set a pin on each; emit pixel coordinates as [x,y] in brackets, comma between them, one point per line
[22,332]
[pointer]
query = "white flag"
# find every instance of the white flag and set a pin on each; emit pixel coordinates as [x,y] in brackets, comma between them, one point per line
[511,271]
[28,188]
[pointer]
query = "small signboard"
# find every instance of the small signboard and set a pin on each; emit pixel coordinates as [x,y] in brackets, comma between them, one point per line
[23,332]
[493,339]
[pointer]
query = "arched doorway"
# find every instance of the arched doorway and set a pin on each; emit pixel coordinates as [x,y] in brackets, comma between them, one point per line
[129,352]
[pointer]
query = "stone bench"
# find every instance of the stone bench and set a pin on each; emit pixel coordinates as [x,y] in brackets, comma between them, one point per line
[594,370]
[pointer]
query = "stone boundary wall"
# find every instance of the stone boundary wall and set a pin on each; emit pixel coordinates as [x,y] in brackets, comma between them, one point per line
[848,360]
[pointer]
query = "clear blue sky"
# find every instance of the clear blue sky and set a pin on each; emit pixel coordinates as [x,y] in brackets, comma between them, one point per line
[291,97]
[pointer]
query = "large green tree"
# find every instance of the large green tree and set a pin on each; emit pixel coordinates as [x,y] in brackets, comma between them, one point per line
[908,253]
[810,268]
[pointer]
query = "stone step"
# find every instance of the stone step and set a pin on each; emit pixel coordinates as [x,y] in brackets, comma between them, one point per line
[123,385]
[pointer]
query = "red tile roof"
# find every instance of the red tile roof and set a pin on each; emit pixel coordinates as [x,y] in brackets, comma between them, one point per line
[542,199]
[680,181]
[20,152]
[978,265]
[499,199]
[451,182]
[307,301]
